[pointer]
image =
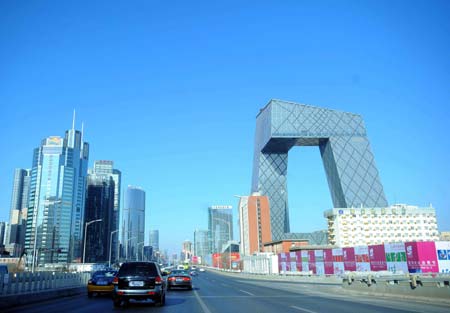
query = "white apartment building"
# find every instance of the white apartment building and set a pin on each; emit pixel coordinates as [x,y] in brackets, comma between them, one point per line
[367,226]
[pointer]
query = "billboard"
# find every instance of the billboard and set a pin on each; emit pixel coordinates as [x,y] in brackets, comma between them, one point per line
[328,261]
[305,265]
[349,259]
[377,258]
[362,259]
[443,256]
[320,266]
[396,257]
[312,261]
[421,257]
[298,261]
[338,261]
[293,261]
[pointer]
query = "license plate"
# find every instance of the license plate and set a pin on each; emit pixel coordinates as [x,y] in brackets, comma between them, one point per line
[102,283]
[179,279]
[137,283]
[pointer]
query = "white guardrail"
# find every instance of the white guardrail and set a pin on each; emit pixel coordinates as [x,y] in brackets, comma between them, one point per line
[413,280]
[27,282]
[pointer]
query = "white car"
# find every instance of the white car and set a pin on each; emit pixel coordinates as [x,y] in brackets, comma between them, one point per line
[201,269]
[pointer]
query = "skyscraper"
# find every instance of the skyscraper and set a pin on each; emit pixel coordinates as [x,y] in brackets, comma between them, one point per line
[56,204]
[15,238]
[99,205]
[201,243]
[154,239]
[220,226]
[133,223]
[106,168]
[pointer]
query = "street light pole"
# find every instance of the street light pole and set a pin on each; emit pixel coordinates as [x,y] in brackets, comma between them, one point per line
[85,232]
[110,245]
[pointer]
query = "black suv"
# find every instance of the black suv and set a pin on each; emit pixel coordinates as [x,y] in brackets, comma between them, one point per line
[140,281]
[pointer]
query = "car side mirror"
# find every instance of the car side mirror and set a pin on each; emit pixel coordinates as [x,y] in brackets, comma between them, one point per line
[164,273]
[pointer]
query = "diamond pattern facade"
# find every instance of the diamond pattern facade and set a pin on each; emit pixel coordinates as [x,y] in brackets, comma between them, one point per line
[341,137]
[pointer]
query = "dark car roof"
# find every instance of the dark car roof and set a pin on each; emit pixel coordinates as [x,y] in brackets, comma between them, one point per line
[138,269]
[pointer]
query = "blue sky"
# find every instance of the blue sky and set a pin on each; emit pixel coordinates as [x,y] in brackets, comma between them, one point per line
[169,90]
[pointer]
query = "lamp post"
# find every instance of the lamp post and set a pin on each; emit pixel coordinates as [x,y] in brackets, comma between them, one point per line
[85,231]
[229,236]
[110,245]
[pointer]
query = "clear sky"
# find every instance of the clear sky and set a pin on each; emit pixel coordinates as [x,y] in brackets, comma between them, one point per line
[169,90]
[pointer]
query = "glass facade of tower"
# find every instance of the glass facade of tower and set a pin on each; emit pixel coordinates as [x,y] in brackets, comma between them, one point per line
[133,223]
[106,168]
[201,243]
[56,200]
[154,239]
[220,226]
[349,164]
[99,205]
[15,238]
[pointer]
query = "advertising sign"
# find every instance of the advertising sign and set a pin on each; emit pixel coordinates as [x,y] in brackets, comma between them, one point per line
[298,262]
[320,266]
[377,258]
[421,257]
[338,261]
[282,262]
[443,256]
[305,265]
[349,259]
[396,257]
[293,261]
[312,261]
[328,261]
[288,262]
[362,259]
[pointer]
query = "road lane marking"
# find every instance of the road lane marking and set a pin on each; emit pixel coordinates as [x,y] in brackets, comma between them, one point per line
[225,285]
[202,304]
[302,309]
[249,293]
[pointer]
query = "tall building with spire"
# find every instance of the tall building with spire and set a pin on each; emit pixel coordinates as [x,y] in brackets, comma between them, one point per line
[55,216]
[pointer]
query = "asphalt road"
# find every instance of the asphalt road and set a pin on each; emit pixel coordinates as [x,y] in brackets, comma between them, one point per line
[217,293]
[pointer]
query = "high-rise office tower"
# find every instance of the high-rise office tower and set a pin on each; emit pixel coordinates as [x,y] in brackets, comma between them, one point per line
[201,243]
[106,168]
[15,238]
[254,223]
[154,239]
[2,232]
[186,252]
[220,226]
[56,204]
[99,205]
[133,223]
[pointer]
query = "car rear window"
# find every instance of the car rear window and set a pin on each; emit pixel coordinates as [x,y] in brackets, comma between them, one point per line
[138,269]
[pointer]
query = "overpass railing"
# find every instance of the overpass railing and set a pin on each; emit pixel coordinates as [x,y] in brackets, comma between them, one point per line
[27,282]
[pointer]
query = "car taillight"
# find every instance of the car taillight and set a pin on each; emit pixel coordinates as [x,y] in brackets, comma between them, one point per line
[171,278]
[115,280]
[158,280]
[186,279]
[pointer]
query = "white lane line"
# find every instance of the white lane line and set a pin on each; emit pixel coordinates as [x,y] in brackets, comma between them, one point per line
[225,285]
[302,309]
[249,293]
[202,304]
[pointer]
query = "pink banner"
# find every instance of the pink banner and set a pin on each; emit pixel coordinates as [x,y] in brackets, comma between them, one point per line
[349,259]
[312,261]
[328,261]
[299,261]
[377,258]
[421,257]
